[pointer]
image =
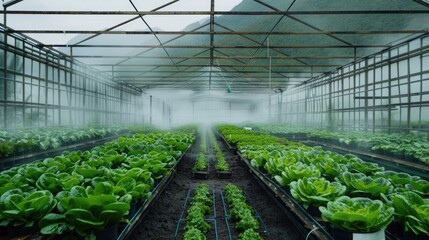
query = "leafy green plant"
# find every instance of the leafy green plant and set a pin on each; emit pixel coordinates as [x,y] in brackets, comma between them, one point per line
[404,182]
[194,234]
[49,138]
[359,184]
[316,191]
[296,172]
[357,215]
[412,211]
[242,213]
[92,189]
[201,163]
[329,168]
[21,208]
[196,226]
[249,234]
[86,213]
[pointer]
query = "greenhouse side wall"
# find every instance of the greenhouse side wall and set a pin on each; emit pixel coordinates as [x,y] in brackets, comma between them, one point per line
[41,87]
[387,91]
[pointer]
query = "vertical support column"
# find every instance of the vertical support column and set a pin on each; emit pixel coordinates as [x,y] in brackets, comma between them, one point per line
[354,89]
[269,108]
[59,92]
[121,103]
[163,112]
[24,121]
[373,98]
[366,97]
[84,100]
[106,108]
[331,124]
[71,87]
[389,103]
[212,8]
[421,84]
[150,110]
[97,112]
[5,71]
[305,106]
[409,89]
[46,91]
[342,99]
[280,107]
[142,106]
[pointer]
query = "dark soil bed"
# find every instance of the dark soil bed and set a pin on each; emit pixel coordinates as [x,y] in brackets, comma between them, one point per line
[161,220]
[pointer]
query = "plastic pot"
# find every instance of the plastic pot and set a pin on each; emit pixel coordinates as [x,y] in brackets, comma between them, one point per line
[344,235]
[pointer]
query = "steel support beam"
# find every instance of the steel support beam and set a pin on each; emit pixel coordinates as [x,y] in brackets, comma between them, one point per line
[179,77]
[215,57]
[321,12]
[123,23]
[303,22]
[208,47]
[226,65]
[358,32]
[212,6]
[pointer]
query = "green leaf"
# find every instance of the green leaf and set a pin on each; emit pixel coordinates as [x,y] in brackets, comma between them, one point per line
[103,188]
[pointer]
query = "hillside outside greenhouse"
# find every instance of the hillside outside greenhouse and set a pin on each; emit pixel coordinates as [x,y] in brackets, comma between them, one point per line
[214,120]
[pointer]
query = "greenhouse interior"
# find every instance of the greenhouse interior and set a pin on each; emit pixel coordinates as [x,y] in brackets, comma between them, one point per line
[226,119]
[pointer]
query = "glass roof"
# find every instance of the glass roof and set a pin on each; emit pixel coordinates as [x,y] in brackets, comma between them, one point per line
[183,44]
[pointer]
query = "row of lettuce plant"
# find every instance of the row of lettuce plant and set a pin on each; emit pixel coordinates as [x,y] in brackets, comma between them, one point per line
[83,192]
[321,178]
[49,138]
[196,225]
[412,145]
[201,165]
[221,163]
[243,214]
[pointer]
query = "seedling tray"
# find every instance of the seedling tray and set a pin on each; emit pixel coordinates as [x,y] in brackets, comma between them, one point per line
[224,174]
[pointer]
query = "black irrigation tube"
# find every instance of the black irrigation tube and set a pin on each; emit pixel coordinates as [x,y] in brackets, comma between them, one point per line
[7,163]
[227,217]
[209,219]
[141,212]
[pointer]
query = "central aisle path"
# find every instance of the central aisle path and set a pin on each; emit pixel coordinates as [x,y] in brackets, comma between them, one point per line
[161,220]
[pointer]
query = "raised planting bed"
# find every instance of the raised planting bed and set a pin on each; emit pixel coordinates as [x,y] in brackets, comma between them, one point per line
[223,169]
[201,167]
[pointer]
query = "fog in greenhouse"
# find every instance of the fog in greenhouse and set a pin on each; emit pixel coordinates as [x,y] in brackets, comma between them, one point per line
[207,107]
